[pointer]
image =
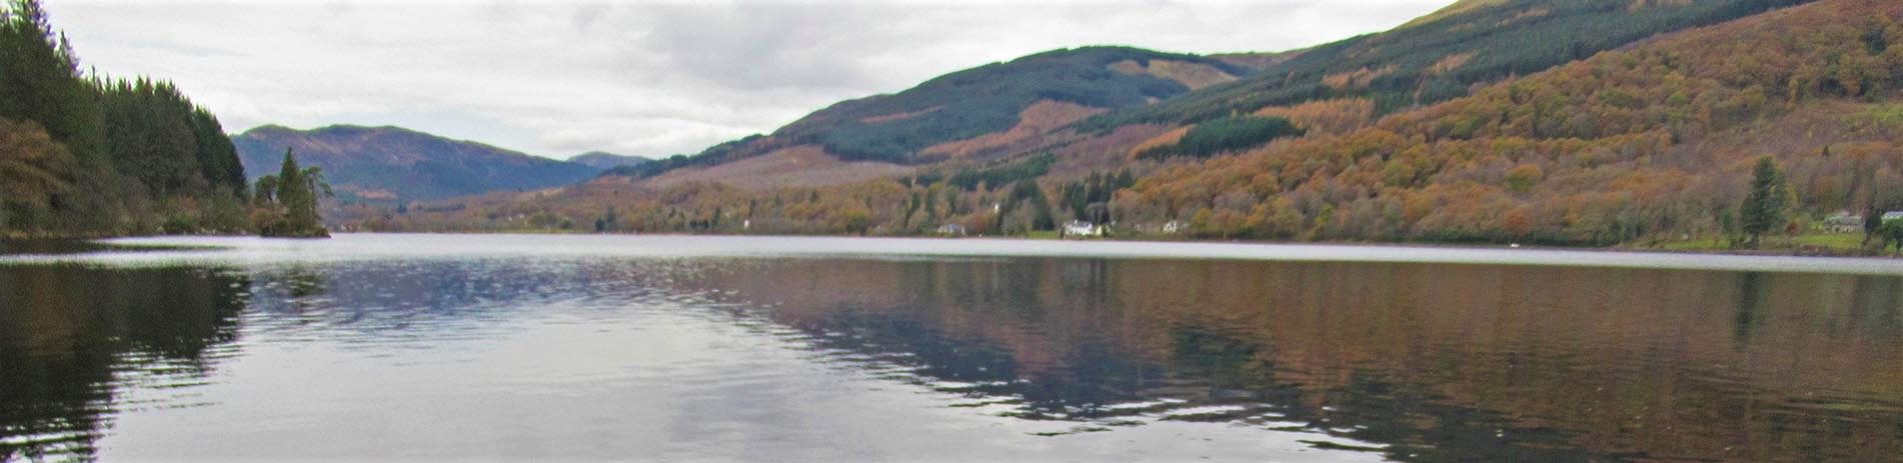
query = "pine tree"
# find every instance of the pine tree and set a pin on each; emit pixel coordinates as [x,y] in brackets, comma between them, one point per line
[1764,210]
[292,208]
[41,82]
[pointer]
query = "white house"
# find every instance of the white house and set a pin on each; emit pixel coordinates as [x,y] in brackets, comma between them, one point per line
[1843,222]
[1081,228]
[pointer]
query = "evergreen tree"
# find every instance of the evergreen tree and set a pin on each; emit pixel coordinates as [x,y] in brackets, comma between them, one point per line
[1026,191]
[217,156]
[265,191]
[1872,220]
[41,81]
[291,210]
[300,211]
[40,88]
[1764,210]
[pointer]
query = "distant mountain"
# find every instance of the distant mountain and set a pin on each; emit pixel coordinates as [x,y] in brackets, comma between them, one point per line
[978,111]
[389,163]
[604,161]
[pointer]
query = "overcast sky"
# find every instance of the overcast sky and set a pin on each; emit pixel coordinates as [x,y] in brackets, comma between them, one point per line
[644,78]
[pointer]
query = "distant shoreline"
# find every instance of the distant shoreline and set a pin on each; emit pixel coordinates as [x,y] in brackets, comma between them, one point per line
[1629,249]
[1623,247]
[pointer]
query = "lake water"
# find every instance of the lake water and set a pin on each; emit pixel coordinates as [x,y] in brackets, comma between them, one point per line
[378,347]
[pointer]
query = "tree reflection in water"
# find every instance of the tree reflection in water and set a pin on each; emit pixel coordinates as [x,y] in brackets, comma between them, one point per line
[1423,363]
[72,338]
[1417,362]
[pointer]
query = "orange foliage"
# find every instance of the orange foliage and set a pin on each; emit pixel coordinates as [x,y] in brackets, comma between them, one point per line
[1449,63]
[1619,147]
[1041,117]
[1191,75]
[1165,139]
[1325,116]
[899,116]
[799,166]
[1359,78]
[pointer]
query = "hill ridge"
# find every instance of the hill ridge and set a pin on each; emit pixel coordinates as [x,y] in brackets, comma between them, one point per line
[385,163]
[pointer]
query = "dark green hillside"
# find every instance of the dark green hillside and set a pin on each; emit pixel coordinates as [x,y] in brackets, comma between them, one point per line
[1442,56]
[157,136]
[987,99]
[1225,134]
[961,105]
[734,150]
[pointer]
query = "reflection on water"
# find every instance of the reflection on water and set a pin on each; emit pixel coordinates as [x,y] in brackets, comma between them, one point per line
[1432,363]
[936,358]
[72,339]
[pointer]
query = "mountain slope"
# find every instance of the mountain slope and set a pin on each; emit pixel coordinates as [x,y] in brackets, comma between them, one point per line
[1444,55]
[387,163]
[604,161]
[1649,144]
[903,128]
[989,112]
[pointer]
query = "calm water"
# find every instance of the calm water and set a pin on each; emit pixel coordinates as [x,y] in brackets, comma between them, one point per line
[373,347]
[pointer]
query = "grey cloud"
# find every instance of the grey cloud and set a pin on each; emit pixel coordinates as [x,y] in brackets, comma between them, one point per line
[766,46]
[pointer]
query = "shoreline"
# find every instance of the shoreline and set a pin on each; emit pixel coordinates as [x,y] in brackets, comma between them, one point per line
[435,246]
[1815,251]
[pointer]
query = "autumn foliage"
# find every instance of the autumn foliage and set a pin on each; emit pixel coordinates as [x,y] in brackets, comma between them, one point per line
[1654,141]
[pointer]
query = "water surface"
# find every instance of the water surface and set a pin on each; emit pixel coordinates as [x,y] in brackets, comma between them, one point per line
[373,347]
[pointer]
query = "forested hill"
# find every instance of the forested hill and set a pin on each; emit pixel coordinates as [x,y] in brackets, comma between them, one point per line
[1444,55]
[88,155]
[1655,143]
[393,163]
[927,122]
[1655,140]
[1040,102]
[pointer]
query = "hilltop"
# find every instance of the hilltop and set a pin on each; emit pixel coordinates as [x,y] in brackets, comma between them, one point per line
[604,160]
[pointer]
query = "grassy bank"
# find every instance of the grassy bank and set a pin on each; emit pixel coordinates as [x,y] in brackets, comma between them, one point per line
[1819,243]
